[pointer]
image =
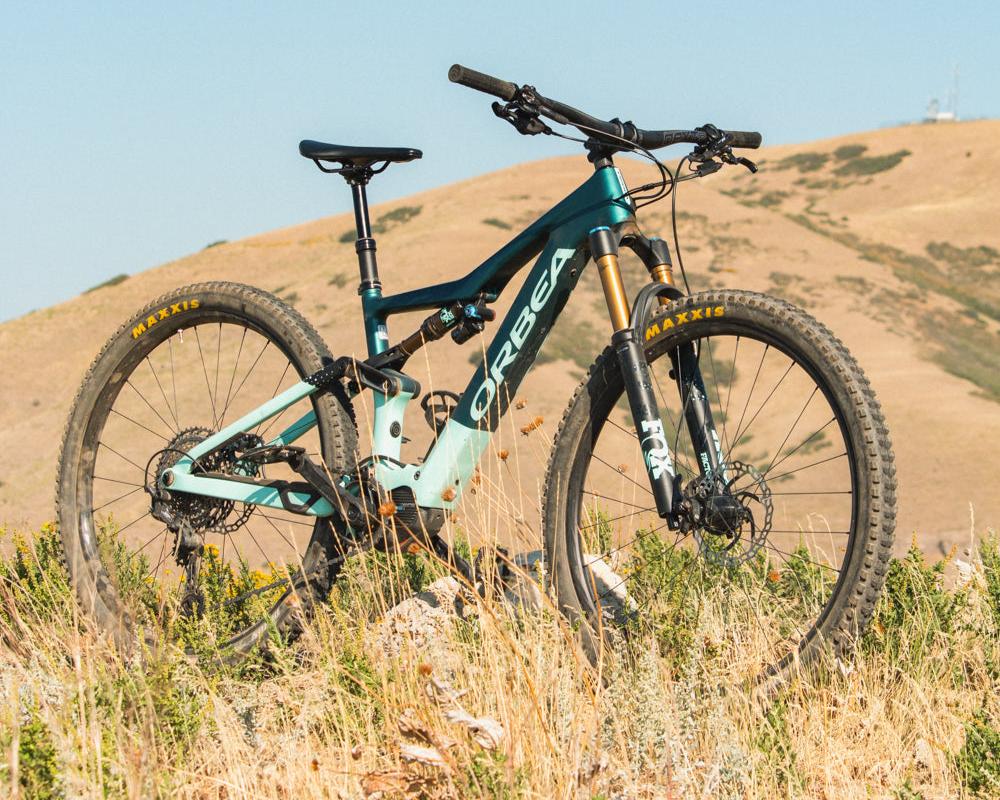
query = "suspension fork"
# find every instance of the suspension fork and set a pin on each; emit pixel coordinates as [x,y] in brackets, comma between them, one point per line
[638,383]
[627,343]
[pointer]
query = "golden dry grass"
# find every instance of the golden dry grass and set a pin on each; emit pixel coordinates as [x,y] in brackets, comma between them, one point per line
[333,716]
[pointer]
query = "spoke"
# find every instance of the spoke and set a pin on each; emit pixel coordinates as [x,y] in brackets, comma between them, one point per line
[680,568]
[163,394]
[289,521]
[634,539]
[232,378]
[273,395]
[246,527]
[682,417]
[794,450]
[816,533]
[282,535]
[732,379]
[246,377]
[718,391]
[746,405]
[151,540]
[120,497]
[254,592]
[115,480]
[163,554]
[612,499]
[619,472]
[807,560]
[139,425]
[173,380]
[607,592]
[778,494]
[740,434]
[750,603]
[616,519]
[808,466]
[218,359]
[149,405]
[208,387]
[784,441]
[137,519]
[123,458]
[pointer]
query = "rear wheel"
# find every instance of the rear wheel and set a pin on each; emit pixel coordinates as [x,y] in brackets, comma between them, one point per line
[806,453]
[190,363]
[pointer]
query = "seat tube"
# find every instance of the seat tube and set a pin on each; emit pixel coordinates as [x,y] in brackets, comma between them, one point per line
[635,374]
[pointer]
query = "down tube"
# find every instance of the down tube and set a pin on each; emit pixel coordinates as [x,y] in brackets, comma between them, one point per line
[453,458]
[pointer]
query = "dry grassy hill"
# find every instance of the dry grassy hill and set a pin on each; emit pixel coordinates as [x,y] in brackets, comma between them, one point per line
[888,237]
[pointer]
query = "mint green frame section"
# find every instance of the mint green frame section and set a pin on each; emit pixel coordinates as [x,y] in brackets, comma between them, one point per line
[452,459]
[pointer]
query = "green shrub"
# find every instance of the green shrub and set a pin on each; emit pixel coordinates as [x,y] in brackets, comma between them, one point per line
[804,162]
[36,575]
[497,223]
[385,223]
[963,258]
[870,165]
[38,767]
[914,613]
[978,761]
[396,216]
[339,280]
[109,282]
[848,151]
[216,243]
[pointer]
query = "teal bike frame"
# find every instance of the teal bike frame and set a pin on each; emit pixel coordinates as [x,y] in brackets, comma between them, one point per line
[561,241]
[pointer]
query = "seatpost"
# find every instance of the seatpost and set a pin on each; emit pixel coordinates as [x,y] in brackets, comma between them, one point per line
[365,245]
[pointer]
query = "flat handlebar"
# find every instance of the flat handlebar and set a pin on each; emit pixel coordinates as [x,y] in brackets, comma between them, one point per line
[567,115]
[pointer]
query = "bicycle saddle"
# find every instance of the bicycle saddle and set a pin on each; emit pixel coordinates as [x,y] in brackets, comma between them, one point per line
[356,156]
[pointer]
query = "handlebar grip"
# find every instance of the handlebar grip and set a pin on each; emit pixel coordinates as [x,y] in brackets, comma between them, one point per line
[482,82]
[745,139]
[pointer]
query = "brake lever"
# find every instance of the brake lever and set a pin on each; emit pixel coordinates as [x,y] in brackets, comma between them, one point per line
[522,116]
[730,158]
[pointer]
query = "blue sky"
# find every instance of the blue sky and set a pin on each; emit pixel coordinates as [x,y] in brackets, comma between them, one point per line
[132,134]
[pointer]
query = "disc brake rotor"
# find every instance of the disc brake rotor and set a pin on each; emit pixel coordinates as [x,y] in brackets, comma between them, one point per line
[751,508]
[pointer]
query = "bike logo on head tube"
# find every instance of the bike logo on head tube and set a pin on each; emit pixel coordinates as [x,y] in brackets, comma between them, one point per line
[519,333]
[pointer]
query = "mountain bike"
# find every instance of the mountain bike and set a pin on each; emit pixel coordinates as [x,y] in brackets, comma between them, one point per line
[724,440]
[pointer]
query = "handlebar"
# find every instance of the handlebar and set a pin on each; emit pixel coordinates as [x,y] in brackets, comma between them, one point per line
[482,82]
[614,131]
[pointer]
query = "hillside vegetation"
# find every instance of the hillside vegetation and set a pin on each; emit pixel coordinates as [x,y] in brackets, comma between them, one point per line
[916,715]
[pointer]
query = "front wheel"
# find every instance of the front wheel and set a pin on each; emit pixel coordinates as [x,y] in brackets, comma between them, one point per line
[804,449]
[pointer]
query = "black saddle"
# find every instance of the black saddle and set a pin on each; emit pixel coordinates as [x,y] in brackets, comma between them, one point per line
[356,156]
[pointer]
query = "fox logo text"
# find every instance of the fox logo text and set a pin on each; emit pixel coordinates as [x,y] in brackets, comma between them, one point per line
[657,452]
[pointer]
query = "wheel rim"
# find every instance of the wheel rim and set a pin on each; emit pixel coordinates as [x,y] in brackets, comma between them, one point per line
[773,412]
